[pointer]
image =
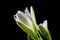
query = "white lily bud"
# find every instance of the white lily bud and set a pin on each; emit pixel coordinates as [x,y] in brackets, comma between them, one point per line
[27,18]
[44,24]
[44,30]
[21,17]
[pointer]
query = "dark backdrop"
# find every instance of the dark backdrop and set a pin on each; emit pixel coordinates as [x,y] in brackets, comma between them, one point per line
[44,9]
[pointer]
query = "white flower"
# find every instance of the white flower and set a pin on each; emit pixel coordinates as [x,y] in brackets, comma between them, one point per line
[21,17]
[26,18]
[44,24]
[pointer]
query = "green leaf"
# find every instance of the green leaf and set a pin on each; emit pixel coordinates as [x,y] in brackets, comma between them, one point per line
[45,33]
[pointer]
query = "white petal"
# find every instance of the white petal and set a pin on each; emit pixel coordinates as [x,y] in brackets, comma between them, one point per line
[27,12]
[45,23]
[16,18]
[32,12]
[33,16]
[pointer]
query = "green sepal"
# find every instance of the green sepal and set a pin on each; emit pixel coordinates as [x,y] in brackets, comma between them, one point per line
[25,29]
[45,33]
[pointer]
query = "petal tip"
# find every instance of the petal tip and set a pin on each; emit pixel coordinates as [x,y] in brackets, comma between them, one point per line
[18,11]
[45,22]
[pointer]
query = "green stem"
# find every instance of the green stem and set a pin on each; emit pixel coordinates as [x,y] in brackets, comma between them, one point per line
[40,36]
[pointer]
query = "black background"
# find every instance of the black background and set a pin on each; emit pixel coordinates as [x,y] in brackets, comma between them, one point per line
[44,9]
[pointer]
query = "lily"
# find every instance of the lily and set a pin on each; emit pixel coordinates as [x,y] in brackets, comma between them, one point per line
[27,19]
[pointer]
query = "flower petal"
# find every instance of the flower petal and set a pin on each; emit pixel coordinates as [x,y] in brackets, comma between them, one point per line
[21,16]
[27,13]
[33,16]
[45,23]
